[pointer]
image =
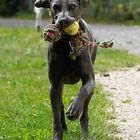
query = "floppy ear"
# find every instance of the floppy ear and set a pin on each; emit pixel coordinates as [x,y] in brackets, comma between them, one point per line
[84,3]
[42,3]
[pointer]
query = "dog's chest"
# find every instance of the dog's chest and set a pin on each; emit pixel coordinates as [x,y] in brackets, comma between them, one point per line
[62,62]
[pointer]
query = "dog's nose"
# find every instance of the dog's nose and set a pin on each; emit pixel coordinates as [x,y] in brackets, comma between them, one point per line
[64,21]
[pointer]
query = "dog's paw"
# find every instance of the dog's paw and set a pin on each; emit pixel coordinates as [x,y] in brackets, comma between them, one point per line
[75,109]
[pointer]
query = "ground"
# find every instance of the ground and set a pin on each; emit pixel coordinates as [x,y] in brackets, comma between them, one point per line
[124,85]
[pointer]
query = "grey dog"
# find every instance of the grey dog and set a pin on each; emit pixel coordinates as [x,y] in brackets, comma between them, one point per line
[63,70]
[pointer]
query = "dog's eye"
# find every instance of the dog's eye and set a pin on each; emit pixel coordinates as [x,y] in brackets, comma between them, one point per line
[72,6]
[57,7]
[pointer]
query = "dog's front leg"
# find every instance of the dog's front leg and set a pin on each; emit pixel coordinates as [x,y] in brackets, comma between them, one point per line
[56,103]
[77,104]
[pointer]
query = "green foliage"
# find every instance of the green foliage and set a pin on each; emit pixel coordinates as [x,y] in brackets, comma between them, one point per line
[8,7]
[117,10]
[98,10]
[25,111]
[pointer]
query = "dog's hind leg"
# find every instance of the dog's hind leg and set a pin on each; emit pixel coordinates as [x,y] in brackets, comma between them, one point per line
[84,120]
[56,98]
[63,118]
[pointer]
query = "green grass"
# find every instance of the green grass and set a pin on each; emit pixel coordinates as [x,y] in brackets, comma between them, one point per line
[31,15]
[126,101]
[25,15]
[25,112]
[111,59]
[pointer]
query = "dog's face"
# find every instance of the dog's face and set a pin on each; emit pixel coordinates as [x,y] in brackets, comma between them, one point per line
[63,12]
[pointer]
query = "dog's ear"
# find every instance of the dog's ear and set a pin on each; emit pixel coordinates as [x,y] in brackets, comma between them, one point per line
[84,3]
[42,3]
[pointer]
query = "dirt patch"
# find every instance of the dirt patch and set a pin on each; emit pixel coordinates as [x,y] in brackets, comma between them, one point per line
[125,88]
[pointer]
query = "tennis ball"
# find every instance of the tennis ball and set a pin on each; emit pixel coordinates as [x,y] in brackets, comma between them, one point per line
[72,29]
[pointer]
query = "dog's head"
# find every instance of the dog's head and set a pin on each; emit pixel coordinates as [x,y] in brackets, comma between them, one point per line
[63,12]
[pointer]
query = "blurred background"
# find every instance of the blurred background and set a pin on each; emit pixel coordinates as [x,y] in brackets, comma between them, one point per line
[127,11]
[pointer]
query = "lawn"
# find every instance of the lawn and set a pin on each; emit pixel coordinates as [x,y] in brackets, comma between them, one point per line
[25,112]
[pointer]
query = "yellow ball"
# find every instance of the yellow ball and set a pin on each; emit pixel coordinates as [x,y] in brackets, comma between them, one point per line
[72,29]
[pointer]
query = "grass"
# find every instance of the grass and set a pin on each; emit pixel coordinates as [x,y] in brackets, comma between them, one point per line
[25,15]
[126,101]
[31,15]
[25,112]
[111,59]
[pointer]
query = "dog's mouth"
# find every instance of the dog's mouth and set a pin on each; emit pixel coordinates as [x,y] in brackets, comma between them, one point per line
[63,22]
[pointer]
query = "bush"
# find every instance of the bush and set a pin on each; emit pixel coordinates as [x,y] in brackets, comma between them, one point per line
[117,10]
[8,7]
[136,14]
[98,10]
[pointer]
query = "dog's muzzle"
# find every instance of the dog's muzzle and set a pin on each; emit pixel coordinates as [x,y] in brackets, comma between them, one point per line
[64,21]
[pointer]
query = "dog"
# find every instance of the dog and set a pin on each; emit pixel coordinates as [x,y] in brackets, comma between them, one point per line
[38,15]
[62,70]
